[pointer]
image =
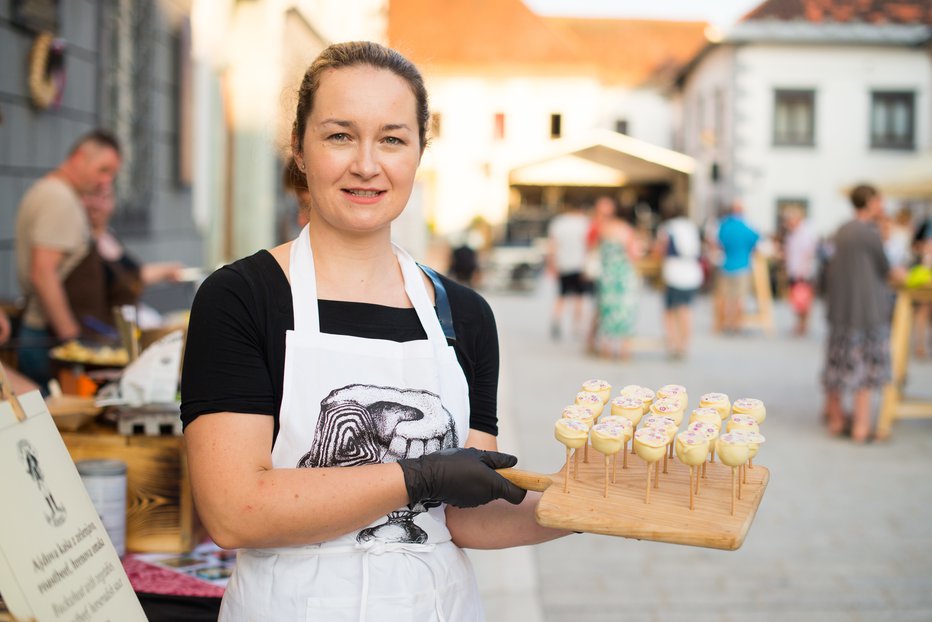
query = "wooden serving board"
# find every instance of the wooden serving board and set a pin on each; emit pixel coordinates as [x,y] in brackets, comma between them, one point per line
[667,518]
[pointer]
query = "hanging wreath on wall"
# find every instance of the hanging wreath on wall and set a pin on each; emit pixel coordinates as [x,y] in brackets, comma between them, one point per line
[46,71]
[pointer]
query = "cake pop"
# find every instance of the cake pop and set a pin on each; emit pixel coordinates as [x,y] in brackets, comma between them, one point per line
[574,434]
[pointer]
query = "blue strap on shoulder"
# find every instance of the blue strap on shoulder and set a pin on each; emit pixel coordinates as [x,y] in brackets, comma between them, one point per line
[444,314]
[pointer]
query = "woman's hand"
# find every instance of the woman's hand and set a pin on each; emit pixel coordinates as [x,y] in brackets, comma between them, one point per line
[464,478]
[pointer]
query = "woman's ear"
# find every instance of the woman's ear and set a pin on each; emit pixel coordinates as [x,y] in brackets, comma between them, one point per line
[296,153]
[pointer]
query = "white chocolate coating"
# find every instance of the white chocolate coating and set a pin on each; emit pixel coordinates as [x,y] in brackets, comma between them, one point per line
[621,422]
[691,447]
[571,432]
[650,444]
[583,413]
[718,401]
[629,407]
[708,429]
[668,407]
[603,388]
[750,406]
[733,449]
[592,401]
[608,438]
[642,393]
[741,422]
[676,392]
[667,425]
[706,415]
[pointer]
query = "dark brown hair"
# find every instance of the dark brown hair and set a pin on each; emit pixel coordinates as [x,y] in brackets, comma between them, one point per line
[99,137]
[861,195]
[351,54]
[292,177]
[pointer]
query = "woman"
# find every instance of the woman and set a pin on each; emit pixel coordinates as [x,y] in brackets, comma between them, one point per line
[679,247]
[618,281]
[858,351]
[326,415]
[125,276]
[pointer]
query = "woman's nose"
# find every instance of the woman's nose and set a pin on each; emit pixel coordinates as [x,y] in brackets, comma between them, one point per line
[365,164]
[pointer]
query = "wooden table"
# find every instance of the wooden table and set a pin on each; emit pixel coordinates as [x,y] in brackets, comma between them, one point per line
[894,404]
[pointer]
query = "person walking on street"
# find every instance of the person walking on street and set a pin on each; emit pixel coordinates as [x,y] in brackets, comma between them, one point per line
[617,286]
[857,356]
[738,241]
[679,247]
[800,248]
[566,237]
[53,240]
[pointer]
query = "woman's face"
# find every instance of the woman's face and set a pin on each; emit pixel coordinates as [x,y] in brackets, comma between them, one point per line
[99,205]
[361,149]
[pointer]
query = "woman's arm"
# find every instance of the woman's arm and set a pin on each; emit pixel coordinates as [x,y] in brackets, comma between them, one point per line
[499,524]
[244,502]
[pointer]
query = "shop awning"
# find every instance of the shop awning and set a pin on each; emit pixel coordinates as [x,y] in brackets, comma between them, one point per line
[912,181]
[603,158]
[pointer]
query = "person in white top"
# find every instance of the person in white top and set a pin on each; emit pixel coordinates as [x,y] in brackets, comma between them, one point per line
[800,255]
[679,246]
[566,261]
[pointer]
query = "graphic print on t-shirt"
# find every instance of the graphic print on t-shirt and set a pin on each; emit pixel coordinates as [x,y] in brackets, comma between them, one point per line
[367,424]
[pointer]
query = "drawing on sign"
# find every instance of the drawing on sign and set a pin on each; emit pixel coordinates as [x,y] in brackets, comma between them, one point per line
[27,455]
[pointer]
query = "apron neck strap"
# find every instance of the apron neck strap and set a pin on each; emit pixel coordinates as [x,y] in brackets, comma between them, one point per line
[304,291]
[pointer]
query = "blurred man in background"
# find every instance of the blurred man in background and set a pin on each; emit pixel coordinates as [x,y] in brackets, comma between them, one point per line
[53,238]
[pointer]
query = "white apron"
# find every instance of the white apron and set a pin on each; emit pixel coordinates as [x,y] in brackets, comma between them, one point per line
[350,401]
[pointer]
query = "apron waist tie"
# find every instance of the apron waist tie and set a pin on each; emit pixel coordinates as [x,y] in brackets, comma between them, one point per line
[374,547]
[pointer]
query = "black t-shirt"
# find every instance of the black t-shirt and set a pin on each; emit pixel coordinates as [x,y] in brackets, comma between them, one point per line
[234,358]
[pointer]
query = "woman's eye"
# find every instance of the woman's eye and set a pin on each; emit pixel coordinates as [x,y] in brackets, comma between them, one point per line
[394,140]
[338,137]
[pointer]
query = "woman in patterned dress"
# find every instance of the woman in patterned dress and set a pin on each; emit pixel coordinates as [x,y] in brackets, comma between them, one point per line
[618,281]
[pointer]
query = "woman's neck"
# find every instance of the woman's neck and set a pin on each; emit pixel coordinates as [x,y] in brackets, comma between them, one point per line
[357,268]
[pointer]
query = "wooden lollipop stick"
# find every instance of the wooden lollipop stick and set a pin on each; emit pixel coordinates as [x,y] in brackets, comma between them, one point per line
[744,473]
[647,494]
[750,466]
[586,454]
[657,475]
[605,492]
[740,473]
[566,472]
[614,464]
[624,456]
[576,464]
[697,483]
[712,455]
[702,469]
[691,487]
[733,491]
[665,460]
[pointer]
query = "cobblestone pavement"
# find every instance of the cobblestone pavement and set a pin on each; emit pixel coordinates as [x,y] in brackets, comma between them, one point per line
[844,532]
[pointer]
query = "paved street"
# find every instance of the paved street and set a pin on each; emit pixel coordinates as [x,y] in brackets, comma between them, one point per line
[843,533]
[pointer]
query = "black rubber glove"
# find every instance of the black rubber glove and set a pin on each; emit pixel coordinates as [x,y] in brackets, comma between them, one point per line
[461,477]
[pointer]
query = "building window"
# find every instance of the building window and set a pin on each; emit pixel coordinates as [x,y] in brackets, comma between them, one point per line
[499,129]
[794,118]
[435,125]
[621,126]
[893,119]
[556,125]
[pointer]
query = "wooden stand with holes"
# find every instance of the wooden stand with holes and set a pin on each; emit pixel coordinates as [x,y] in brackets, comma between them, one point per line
[667,518]
[894,405]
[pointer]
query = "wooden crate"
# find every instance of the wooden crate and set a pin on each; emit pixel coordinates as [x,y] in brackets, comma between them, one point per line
[160,515]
